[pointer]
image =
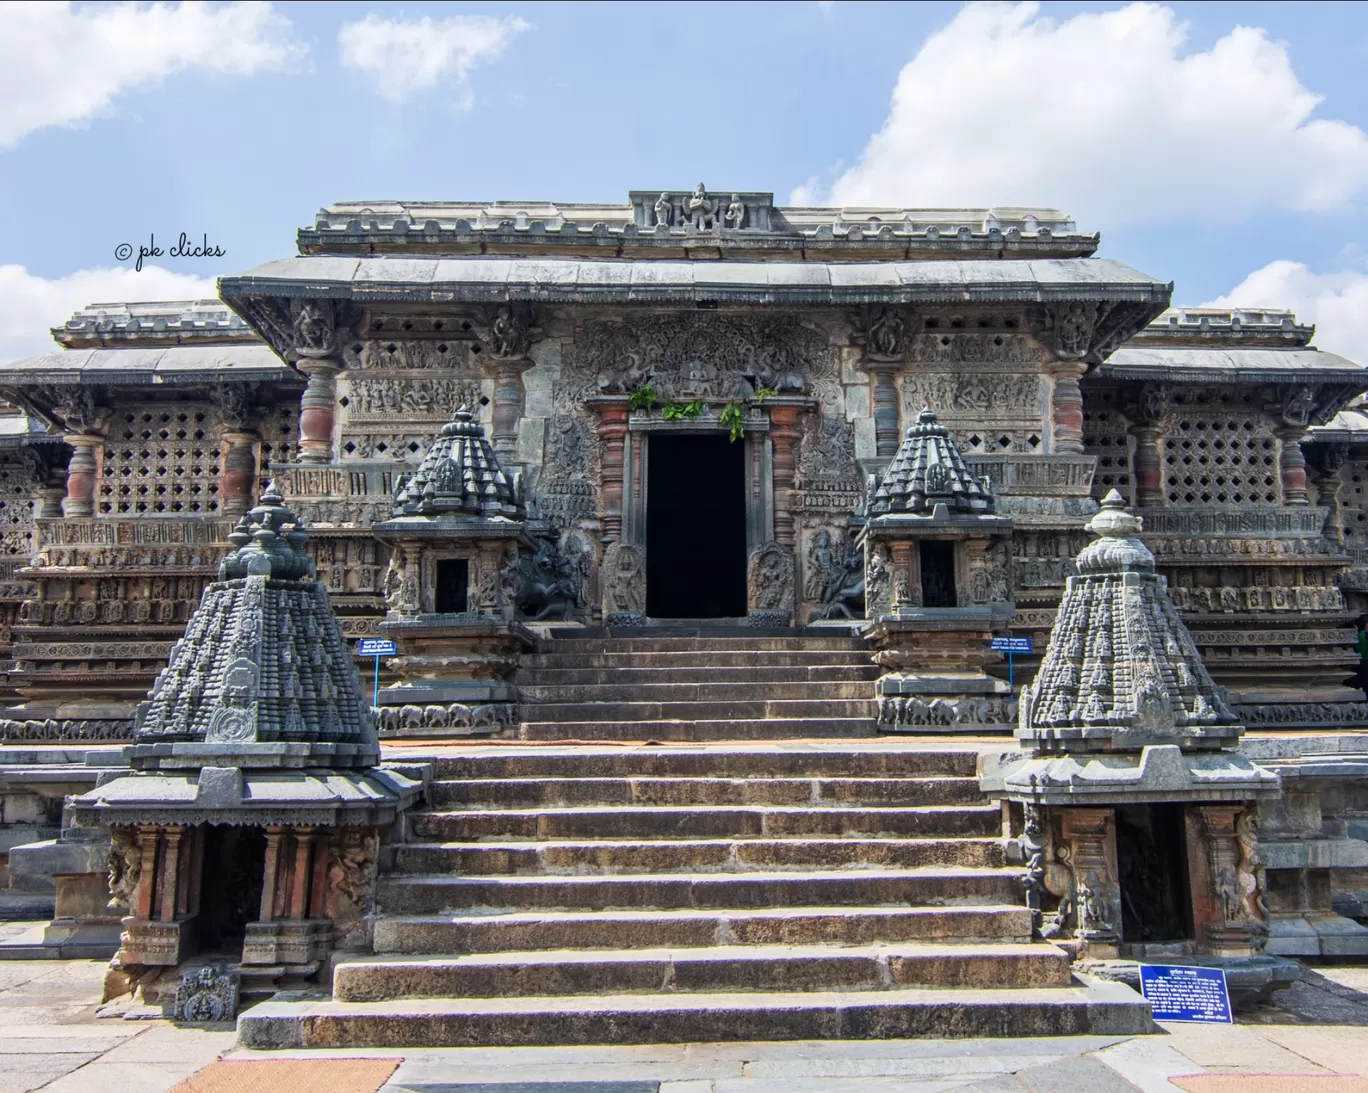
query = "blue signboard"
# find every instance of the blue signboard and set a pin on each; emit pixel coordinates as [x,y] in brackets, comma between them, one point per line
[1011,645]
[376,647]
[1186,993]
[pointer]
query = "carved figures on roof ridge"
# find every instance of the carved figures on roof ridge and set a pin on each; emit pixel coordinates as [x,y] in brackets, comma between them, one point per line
[736,213]
[700,210]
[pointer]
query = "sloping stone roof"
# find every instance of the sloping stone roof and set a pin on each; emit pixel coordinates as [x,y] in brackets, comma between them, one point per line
[181,322]
[459,475]
[262,677]
[1121,670]
[928,469]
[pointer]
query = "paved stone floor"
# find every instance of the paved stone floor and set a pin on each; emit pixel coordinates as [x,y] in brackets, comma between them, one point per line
[51,1040]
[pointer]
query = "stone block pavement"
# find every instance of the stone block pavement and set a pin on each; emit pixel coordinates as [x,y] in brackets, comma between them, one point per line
[1315,1038]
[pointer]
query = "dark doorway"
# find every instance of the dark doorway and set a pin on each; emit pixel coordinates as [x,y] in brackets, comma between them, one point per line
[230,895]
[938,573]
[695,527]
[453,578]
[1152,863]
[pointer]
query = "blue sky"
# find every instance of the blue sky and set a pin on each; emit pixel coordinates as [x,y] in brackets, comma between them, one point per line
[1197,149]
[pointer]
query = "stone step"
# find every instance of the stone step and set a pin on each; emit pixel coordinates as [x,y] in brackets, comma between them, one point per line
[735,658]
[795,728]
[699,691]
[706,822]
[566,792]
[693,928]
[722,968]
[630,676]
[1092,1007]
[752,709]
[895,759]
[722,855]
[434,894]
[801,643]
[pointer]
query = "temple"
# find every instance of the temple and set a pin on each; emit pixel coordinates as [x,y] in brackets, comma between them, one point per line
[705,471]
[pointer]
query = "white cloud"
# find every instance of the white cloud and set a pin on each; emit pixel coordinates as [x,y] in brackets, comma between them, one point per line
[31,305]
[1103,115]
[60,67]
[1336,302]
[404,58]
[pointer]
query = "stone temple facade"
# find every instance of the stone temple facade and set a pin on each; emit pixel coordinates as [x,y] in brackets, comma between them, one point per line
[697,467]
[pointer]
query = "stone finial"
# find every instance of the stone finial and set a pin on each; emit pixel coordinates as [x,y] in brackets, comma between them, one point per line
[928,469]
[268,541]
[263,676]
[1121,670]
[460,475]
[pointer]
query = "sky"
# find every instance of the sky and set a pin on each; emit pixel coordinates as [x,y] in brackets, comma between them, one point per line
[1222,146]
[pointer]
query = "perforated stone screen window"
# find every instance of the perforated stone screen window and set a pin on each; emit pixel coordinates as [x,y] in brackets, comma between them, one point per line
[161,461]
[17,506]
[1104,435]
[1219,459]
[279,431]
[1354,503]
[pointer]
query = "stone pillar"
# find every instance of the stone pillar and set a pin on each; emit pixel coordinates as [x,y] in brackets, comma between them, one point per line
[1148,466]
[318,409]
[613,432]
[238,474]
[784,435]
[168,876]
[1066,407]
[299,877]
[50,500]
[148,839]
[1223,883]
[508,406]
[82,473]
[887,424]
[271,873]
[1325,477]
[1091,835]
[1292,465]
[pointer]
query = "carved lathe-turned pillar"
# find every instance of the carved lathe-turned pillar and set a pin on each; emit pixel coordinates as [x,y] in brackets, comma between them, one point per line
[784,435]
[512,331]
[50,500]
[318,410]
[887,424]
[83,471]
[1324,469]
[1146,416]
[238,473]
[1292,465]
[1066,408]
[613,432]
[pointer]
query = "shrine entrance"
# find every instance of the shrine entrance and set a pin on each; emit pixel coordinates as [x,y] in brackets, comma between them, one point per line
[695,527]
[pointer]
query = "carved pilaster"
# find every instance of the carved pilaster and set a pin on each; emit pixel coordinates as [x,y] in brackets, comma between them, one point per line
[1146,413]
[149,838]
[1222,874]
[1066,408]
[1325,477]
[784,434]
[318,410]
[1091,837]
[612,431]
[508,406]
[887,425]
[83,472]
[299,877]
[271,873]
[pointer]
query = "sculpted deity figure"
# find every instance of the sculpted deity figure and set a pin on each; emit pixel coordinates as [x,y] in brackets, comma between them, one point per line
[505,334]
[313,330]
[1298,406]
[736,212]
[887,334]
[664,211]
[700,209]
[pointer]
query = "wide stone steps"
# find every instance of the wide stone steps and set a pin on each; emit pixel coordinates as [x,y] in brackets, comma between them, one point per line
[706,822]
[796,889]
[553,696]
[722,968]
[808,728]
[730,658]
[511,793]
[511,931]
[431,894]
[626,674]
[893,759]
[722,855]
[736,709]
[1091,1008]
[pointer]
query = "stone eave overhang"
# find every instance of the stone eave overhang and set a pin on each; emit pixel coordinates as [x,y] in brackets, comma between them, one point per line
[445,526]
[128,366]
[144,325]
[1349,426]
[1227,364]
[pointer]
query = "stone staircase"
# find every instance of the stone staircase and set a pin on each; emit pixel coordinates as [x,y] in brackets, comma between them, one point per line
[599,893]
[696,688]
